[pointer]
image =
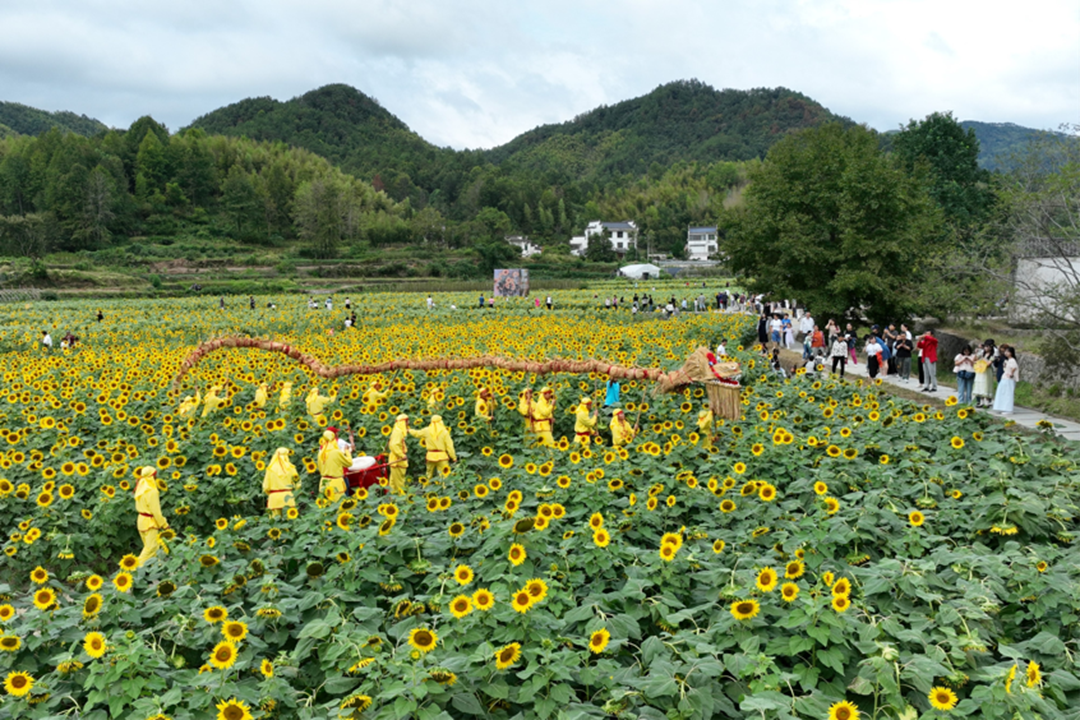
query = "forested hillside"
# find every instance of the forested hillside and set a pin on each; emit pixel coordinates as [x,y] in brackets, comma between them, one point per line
[68,192]
[685,120]
[999,141]
[31,121]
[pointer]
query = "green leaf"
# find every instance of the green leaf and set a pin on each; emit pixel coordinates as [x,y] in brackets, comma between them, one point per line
[465,702]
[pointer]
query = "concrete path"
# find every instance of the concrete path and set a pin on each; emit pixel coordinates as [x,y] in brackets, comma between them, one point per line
[1026,417]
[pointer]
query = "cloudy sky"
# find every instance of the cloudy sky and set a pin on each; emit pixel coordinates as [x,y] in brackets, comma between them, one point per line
[475,73]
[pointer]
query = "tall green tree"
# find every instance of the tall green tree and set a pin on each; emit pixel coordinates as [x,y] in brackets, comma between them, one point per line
[956,182]
[833,222]
[241,202]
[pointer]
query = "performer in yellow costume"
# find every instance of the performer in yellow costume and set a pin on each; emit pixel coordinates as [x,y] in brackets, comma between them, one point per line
[399,461]
[280,482]
[333,462]
[543,417]
[705,425]
[316,403]
[189,404]
[373,396]
[584,422]
[213,401]
[621,431]
[524,408]
[485,408]
[262,394]
[148,506]
[439,444]
[285,399]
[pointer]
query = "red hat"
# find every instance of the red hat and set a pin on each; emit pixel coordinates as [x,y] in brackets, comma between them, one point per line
[332,429]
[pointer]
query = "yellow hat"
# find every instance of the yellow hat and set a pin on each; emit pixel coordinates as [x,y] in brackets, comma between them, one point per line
[401,417]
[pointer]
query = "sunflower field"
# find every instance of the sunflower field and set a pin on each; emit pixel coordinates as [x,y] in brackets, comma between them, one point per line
[837,553]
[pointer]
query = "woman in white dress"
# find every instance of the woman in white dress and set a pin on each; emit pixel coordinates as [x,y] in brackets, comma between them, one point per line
[1006,389]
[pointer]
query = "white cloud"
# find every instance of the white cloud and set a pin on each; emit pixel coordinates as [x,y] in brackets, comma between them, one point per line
[475,73]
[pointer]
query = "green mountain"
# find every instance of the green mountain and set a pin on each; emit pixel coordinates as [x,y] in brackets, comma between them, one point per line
[998,141]
[31,121]
[683,120]
[337,122]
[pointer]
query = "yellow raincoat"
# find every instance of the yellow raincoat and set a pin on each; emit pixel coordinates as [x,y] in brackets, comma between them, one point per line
[286,396]
[148,506]
[333,462]
[372,396]
[399,461]
[189,404]
[280,482]
[439,444]
[524,408]
[622,433]
[543,417]
[705,424]
[584,422]
[316,403]
[213,401]
[485,408]
[262,394]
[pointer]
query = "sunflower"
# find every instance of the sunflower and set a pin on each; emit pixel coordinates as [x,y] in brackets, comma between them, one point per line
[916,518]
[832,505]
[266,668]
[506,461]
[507,655]
[44,598]
[423,640]
[208,561]
[727,506]
[794,569]
[1034,675]
[215,614]
[718,546]
[94,645]
[521,601]
[745,609]
[358,703]
[91,605]
[843,710]
[789,591]
[1041,566]
[463,574]
[6,612]
[766,580]
[517,554]
[234,631]
[767,492]
[233,710]
[942,698]
[223,655]
[10,643]
[739,468]
[39,575]
[840,603]
[129,562]
[668,552]
[601,538]
[958,444]
[461,606]
[18,684]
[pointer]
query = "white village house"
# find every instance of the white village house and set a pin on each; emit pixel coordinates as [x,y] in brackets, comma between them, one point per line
[622,236]
[523,244]
[701,242]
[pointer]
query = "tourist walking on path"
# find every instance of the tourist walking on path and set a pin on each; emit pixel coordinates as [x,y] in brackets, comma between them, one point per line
[873,356]
[964,367]
[903,357]
[928,345]
[1010,375]
[839,354]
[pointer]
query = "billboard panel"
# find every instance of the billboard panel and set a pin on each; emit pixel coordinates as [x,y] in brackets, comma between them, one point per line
[511,283]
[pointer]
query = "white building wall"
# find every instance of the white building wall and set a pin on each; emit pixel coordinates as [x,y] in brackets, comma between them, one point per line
[1040,284]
